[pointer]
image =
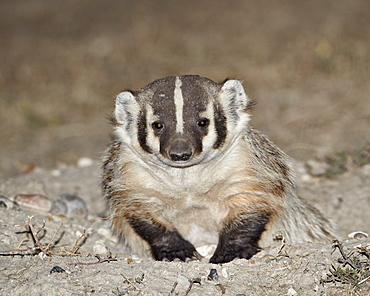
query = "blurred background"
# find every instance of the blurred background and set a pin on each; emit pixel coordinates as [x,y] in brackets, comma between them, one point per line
[307,63]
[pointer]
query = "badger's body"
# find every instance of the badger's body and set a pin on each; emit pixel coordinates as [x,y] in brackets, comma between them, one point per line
[187,170]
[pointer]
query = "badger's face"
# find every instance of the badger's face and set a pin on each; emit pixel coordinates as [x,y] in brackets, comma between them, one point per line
[181,121]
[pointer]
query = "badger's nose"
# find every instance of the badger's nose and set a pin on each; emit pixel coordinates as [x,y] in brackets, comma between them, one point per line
[180,150]
[180,156]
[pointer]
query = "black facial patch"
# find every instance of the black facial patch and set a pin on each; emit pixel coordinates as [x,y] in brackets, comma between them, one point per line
[161,99]
[142,131]
[220,125]
[196,99]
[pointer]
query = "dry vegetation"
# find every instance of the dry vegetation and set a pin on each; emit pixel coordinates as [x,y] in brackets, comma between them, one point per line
[352,268]
[342,161]
[62,63]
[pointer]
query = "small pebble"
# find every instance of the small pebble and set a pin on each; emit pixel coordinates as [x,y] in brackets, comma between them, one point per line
[268,258]
[136,259]
[69,206]
[358,235]
[182,280]
[57,269]
[206,250]
[34,202]
[224,272]
[85,162]
[100,249]
[56,173]
[130,260]
[291,292]
[6,203]
[213,275]
[285,260]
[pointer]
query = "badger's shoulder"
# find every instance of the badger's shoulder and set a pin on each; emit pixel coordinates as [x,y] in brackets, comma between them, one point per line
[267,155]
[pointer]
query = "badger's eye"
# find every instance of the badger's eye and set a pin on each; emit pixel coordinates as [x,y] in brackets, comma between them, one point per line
[204,122]
[157,125]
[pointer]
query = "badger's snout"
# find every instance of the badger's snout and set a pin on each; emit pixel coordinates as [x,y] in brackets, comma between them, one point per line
[180,150]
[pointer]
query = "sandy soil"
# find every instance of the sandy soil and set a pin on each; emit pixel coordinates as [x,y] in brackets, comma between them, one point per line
[278,270]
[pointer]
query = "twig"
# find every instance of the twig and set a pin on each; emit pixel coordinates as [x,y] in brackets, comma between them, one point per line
[192,282]
[37,245]
[93,263]
[17,250]
[362,281]
[53,237]
[76,247]
[189,288]
[38,231]
[173,288]
[130,282]
[338,245]
[279,253]
[21,243]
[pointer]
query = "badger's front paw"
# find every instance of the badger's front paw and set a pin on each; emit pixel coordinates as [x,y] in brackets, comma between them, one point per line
[239,238]
[171,246]
[228,252]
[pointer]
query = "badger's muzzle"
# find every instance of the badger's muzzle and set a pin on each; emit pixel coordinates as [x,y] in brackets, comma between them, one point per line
[180,149]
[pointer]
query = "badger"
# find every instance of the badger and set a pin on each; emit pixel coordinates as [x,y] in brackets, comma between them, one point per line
[186,169]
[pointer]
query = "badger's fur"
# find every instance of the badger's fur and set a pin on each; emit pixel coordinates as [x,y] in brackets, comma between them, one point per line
[186,170]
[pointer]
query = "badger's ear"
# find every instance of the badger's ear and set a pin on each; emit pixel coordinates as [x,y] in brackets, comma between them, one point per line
[234,96]
[126,109]
[235,101]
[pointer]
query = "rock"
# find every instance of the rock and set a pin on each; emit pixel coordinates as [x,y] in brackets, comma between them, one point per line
[34,202]
[57,269]
[206,250]
[69,206]
[6,203]
[84,162]
[358,235]
[213,275]
[100,249]
[182,280]
[224,272]
[292,292]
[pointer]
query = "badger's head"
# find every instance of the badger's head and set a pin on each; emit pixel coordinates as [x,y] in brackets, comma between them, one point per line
[181,121]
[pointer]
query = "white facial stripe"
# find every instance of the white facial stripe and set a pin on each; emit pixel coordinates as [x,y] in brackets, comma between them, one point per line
[210,139]
[179,104]
[152,141]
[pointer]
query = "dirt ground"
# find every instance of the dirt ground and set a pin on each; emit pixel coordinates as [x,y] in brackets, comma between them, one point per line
[278,270]
[61,64]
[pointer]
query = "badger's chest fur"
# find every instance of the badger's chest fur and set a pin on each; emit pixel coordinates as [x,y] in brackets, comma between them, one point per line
[186,170]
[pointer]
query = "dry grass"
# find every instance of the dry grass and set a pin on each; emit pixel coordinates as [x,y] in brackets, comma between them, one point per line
[343,161]
[352,268]
[32,244]
[63,62]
